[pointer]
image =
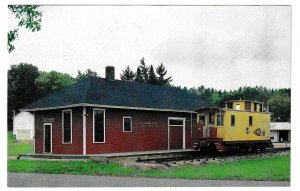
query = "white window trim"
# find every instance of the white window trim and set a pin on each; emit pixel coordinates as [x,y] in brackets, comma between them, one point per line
[183,130]
[130,124]
[98,109]
[44,137]
[34,132]
[84,130]
[63,128]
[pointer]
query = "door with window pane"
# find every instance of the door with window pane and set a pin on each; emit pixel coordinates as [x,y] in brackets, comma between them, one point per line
[176,133]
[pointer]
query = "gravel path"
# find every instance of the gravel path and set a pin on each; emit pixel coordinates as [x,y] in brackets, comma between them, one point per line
[202,160]
[58,180]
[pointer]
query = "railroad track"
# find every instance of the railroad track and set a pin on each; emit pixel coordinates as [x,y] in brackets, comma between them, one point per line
[207,156]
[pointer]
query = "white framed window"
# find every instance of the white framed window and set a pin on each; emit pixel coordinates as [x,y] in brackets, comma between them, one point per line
[47,137]
[127,124]
[67,126]
[98,125]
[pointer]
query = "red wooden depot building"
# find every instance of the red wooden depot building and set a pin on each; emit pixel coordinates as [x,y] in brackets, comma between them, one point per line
[104,115]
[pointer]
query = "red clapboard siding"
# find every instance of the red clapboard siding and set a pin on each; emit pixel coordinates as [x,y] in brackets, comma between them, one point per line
[142,138]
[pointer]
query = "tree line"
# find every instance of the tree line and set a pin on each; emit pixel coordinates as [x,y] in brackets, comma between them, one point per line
[26,84]
[146,74]
[278,101]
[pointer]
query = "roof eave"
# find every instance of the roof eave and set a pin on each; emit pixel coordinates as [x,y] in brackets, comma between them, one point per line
[107,106]
[243,100]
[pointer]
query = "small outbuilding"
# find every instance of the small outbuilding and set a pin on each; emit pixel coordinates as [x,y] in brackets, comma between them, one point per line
[281,132]
[23,126]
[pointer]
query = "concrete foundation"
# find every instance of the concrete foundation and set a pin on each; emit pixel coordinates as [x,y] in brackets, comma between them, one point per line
[119,157]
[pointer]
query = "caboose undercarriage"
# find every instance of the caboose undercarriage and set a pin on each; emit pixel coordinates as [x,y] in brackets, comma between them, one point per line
[231,146]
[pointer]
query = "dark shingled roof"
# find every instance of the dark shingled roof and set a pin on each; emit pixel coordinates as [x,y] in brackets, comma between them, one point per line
[101,91]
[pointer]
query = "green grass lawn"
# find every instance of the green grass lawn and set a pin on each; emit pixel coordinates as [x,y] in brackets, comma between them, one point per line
[273,168]
[14,147]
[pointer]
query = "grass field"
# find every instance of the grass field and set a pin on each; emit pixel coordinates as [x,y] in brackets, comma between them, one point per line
[14,147]
[274,168]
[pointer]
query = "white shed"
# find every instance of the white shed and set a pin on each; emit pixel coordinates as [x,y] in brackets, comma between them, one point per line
[23,126]
[280,131]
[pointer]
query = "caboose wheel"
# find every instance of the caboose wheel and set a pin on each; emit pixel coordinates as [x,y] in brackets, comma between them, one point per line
[262,149]
[253,149]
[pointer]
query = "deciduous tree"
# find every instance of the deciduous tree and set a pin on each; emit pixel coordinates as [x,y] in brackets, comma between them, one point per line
[28,16]
[21,87]
[86,74]
[50,82]
[280,106]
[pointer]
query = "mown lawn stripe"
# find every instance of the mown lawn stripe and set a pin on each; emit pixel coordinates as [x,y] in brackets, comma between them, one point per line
[271,168]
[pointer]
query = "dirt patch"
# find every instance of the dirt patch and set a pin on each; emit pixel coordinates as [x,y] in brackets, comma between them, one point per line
[145,166]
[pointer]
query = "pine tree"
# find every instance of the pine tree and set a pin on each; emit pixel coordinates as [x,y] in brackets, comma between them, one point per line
[161,72]
[127,75]
[152,76]
[144,70]
[138,76]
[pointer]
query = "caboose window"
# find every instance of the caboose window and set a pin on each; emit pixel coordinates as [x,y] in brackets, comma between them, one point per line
[230,105]
[247,105]
[261,108]
[220,120]
[250,121]
[127,125]
[255,107]
[202,119]
[232,120]
[211,119]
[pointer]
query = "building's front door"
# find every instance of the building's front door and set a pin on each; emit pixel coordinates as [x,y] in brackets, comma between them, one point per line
[47,137]
[176,133]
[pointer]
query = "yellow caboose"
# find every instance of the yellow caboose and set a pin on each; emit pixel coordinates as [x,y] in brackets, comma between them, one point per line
[241,125]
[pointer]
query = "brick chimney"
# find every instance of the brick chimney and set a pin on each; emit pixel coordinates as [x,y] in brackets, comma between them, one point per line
[110,72]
